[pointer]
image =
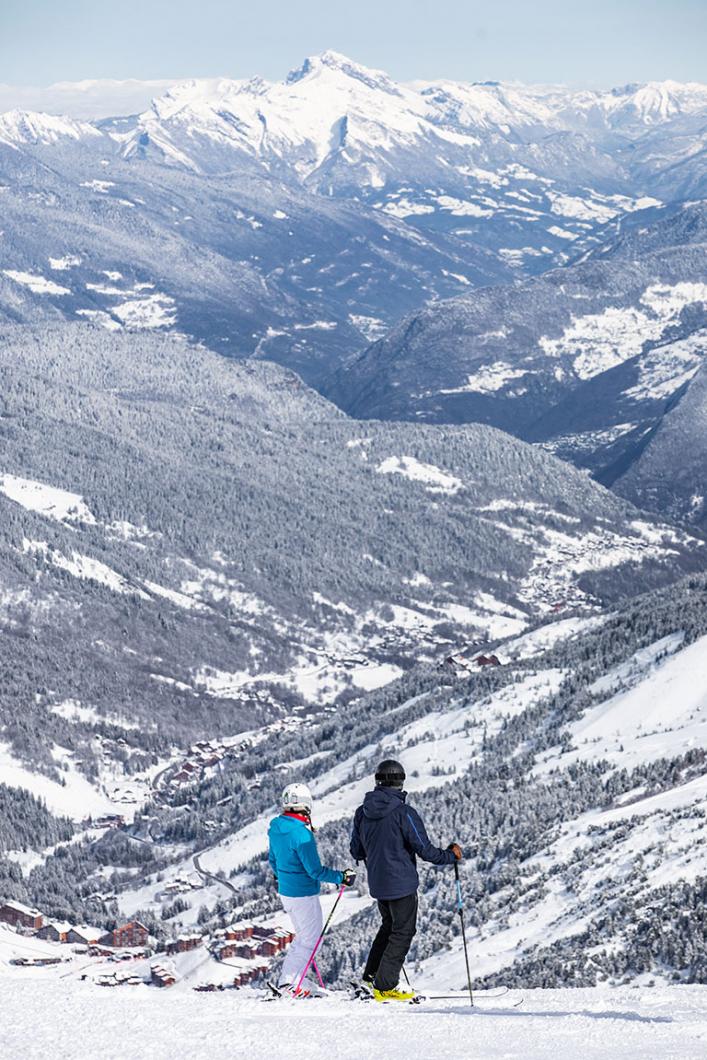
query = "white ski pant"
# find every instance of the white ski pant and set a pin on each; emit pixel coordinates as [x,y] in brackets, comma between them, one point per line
[307,921]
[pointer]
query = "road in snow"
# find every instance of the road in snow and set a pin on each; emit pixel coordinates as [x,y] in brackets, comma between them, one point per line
[80,1020]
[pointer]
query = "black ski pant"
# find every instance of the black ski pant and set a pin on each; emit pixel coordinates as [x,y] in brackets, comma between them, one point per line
[391,944]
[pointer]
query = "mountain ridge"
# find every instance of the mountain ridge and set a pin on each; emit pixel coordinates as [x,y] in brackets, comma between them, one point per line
[298,220]
[588,358]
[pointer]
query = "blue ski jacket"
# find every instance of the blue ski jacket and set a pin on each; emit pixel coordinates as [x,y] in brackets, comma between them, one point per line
[294,859]
[388,835]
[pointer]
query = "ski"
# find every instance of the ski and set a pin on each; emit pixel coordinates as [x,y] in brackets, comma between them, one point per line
[462,995]
[359,992]
[422,998]
[286,994]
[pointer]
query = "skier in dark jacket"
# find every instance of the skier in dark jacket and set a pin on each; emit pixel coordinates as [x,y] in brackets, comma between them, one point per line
[388,835]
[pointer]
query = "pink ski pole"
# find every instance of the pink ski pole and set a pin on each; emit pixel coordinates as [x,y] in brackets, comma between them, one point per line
[313,954]
[319,974]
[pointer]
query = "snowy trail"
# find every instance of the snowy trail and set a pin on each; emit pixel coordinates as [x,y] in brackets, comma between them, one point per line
[82,1021]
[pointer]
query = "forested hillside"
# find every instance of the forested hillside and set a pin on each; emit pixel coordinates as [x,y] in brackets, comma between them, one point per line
[574,776]
[192,546]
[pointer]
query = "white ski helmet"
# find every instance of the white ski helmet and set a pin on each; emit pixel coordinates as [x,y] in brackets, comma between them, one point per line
[297,797]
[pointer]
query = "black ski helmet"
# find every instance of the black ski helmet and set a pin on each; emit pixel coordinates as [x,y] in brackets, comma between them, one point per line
[390,774]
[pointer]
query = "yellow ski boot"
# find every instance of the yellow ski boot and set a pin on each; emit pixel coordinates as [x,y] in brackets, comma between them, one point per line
[393,995]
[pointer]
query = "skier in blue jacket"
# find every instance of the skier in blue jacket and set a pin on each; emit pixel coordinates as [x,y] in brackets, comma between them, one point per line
[388,835]
[299,873]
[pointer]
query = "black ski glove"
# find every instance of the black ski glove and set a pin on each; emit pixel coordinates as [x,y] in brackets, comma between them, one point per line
[348,877]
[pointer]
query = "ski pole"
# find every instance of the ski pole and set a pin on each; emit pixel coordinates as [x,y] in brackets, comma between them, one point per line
[460,910]
[318,943]
[319,974]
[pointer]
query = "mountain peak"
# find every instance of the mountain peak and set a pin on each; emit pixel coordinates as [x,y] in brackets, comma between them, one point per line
[334,61]
[652,102]
[34,127]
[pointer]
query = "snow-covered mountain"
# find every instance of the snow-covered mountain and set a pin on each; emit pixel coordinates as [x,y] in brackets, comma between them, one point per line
[298,220]
[337,123]
[586,359]
[669,474]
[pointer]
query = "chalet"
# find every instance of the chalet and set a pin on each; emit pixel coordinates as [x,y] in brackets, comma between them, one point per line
[183,944]
[55,931]
[239,930]
[261,932]
[268,947]
[248,973]
[131,934]
[284,937]
[162,975]
[111,820]
[487,660]
[19,915]
[84,935]
[174,887]
[224,951]
[182,777]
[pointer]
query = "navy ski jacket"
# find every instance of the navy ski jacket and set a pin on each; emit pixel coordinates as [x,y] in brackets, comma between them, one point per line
[388,835]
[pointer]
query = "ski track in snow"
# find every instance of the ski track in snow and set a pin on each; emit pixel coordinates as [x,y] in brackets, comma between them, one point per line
[81,1020]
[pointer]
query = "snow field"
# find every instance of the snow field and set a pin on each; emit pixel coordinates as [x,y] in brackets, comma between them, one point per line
[81,1021]
[599,341]
[663,715]
[76,798]
[488,379]
[47,500]
[37,284]
[436,480]
[84,567]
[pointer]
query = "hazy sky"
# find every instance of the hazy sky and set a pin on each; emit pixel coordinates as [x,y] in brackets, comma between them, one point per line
[593,42]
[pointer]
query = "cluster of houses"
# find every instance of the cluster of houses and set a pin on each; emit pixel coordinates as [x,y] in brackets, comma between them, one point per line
[246,948]
[184,943]
[462,663]
[203,755]
[119,979]
[33,922]
[181,884]
[106,820]
[249,941]
[163,974]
